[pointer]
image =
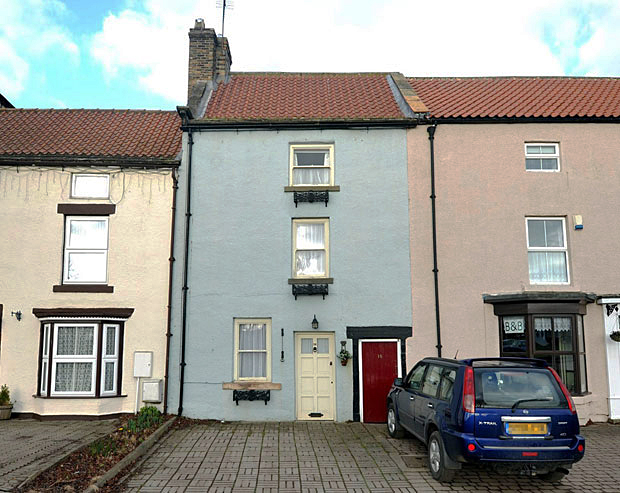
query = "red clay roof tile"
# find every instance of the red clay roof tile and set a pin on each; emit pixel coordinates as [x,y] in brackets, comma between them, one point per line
[90,133]
[303,96]
[488,97]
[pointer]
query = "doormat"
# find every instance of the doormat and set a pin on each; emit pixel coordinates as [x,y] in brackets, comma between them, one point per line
[418,461]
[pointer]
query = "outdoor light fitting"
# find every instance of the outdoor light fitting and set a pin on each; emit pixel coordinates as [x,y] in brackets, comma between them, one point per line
[315,323]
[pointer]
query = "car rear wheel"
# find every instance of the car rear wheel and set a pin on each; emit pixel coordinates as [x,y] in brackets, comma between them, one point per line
[437,459]
[394,428]
[553,476]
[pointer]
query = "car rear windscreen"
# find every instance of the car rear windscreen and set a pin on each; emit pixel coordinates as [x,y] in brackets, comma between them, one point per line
[519,387]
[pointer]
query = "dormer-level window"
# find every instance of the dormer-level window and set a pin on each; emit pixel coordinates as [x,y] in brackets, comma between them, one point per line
[311,164]
[90,186]
[542,157]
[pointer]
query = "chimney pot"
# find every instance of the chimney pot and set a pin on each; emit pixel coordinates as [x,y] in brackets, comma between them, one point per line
[200,23]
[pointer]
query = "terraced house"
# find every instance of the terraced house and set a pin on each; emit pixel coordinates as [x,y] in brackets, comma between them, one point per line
[300,240]
[524,171]
[293,209]
[86,202]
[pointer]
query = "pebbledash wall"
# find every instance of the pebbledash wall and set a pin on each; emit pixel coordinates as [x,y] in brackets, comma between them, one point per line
[32,259]
[484,195]
[240,259]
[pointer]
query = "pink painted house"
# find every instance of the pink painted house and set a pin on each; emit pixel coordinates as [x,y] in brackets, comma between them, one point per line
[523,195]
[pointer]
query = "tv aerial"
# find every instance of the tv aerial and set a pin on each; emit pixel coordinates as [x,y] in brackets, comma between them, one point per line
[224,4]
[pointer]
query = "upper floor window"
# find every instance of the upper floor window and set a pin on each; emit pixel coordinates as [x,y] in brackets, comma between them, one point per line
[542,157]
[86,250]
[310,248]
[546,250]
[90,186]
[252,349]
[311,164]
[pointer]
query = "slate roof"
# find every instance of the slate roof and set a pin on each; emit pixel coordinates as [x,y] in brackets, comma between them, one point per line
[520,97]
[134,135]
[281,96]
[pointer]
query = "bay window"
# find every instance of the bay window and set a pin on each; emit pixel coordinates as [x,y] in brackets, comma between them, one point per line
[80,358]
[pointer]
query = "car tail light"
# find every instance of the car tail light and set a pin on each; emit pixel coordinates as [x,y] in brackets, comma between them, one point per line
[469,396]
[580,448]
[471,447]
[571,403]
[529,454]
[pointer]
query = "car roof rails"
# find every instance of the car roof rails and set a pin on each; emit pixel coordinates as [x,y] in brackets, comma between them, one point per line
[501,361]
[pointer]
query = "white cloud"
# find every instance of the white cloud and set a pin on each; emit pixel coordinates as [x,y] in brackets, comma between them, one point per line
[480,37]
[28,31]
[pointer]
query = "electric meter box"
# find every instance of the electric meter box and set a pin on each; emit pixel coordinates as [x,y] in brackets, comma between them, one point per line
[152,391]
[143,364]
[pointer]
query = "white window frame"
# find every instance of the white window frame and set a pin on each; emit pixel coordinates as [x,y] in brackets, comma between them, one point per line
[91,358]
[267,350]
[325,222]
[548,249]
[100,251]
[45,359]
[113,358]
[555,155]
[311,147]
[76,176]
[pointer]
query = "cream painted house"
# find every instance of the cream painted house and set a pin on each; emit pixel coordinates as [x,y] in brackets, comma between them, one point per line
[525,175]
[86,202]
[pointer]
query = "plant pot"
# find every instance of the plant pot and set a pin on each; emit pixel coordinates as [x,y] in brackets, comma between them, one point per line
[615,335]
[5,411]
[344,362]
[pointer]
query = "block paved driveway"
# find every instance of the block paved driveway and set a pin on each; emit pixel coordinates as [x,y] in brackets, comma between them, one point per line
[339,457]
[28,446]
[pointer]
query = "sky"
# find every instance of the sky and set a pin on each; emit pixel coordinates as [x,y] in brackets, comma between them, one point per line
[133,53]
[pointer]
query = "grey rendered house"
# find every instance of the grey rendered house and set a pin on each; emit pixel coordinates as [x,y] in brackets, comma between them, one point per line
[292,242]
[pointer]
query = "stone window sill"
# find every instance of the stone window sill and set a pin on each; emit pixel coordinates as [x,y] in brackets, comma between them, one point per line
[312,188]
[251,386]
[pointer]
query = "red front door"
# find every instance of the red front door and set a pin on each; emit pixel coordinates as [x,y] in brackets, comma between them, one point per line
[379,369]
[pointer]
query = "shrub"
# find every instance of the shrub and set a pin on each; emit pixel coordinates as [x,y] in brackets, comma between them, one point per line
[147,417]
[5,396]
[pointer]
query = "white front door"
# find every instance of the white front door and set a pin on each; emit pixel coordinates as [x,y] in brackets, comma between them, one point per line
[315,376]
[611,311]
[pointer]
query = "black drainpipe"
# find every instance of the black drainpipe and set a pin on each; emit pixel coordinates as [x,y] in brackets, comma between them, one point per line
[188,215]
[431,137]
[175,186]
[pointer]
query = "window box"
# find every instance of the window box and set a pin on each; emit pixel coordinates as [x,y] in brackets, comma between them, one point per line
[542,157]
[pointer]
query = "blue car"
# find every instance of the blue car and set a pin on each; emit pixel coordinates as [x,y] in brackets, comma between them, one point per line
[513,414]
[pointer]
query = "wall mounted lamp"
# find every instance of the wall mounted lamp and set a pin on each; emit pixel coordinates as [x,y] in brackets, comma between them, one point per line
[17,315]
[315,323]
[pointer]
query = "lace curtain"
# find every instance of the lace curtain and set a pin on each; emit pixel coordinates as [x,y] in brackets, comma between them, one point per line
[547,266]
[74,377]
[311,168]
[310,254]
[252,350]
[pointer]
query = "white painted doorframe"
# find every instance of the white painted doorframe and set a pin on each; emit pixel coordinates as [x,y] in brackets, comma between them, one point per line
[361,368]
[611,322]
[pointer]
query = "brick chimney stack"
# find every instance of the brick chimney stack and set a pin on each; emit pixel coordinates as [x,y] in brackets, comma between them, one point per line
[209,65]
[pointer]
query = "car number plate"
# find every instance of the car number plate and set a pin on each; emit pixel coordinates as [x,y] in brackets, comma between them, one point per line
[527,428]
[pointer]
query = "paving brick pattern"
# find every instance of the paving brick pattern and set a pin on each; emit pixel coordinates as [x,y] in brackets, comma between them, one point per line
[29,446]
[339,457]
